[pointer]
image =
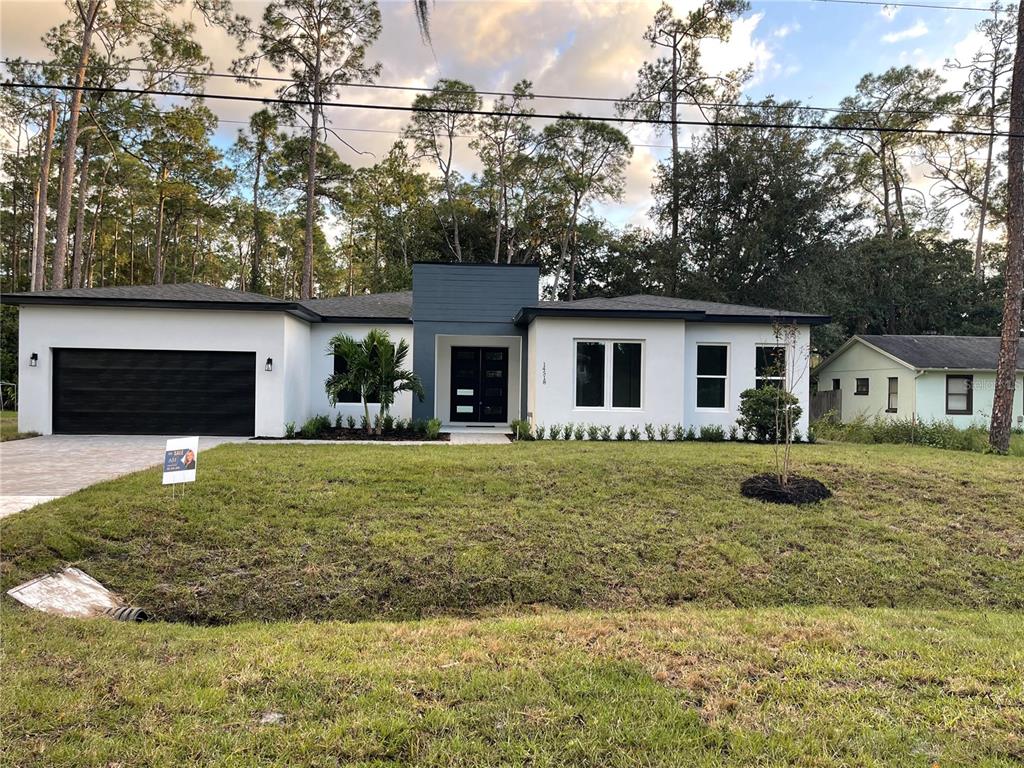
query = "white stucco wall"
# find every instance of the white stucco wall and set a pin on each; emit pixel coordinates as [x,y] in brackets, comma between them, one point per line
[321,365]
[743,341]
[44,328]
[931,398]
[861,361]
[553,379]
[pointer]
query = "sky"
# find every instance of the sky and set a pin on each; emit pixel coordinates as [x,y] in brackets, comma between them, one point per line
[810,51]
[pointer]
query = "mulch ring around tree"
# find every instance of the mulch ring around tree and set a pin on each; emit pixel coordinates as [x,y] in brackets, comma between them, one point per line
[799,490]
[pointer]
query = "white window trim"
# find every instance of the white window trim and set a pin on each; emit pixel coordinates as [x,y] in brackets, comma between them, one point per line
[728,377]
[608,372]
[784,378]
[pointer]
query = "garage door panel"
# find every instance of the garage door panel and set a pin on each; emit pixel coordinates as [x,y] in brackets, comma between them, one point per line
[100,391]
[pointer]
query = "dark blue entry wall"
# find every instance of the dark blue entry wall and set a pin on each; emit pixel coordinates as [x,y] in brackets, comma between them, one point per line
[466,299]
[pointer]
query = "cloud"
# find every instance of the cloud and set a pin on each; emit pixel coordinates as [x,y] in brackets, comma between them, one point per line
[919,29]
[786,30]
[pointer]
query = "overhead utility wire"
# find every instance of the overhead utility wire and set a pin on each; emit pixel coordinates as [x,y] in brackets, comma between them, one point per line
[556,97]
[935,6]
[529,115]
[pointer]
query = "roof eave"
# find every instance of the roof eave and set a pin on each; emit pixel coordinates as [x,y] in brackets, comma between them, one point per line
[526,315]
[296,310]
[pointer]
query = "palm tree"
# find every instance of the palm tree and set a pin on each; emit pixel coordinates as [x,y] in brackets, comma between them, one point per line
[374,370]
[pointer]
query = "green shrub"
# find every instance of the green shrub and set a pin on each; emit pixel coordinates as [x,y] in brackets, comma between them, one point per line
[678,432]
[634,433]
[433,430]
[649,431]
[593,432]
[620,433]
[540,432]
[555,431]
[350,421]
[388,423]
[567,431]
[315,426]
[757,412]
[339,421]
[521,430]
[400,424]
[606,432]
[663,432]
[734,432]
[934,434]
[418,426]
[579,431]
[712,433]
[690,435]
[289,429]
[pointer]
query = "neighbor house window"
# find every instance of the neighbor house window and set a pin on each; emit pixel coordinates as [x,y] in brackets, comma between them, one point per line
[835,384]
[959,395]
[348,395]
[862,387]
[770,367]
[894,395]
[712,375]
[604,367]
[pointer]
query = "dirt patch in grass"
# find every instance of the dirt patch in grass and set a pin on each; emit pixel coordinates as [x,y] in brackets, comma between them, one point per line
[798,490]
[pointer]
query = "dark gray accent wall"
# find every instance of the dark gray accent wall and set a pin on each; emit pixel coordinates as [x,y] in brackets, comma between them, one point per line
[466,300]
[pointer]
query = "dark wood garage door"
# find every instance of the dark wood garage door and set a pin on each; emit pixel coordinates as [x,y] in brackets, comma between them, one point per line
[153,392]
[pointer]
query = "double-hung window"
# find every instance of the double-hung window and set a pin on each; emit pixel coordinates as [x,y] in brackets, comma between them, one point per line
[770,367]
[894,395]
[712,375]
[609,374]
[863,387]
[959,395]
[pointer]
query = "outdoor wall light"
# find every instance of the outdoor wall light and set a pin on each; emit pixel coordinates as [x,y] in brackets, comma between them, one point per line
[33,360]
[270,365]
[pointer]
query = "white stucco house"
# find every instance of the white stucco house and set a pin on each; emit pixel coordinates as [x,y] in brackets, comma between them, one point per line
[194,359]
[925,378]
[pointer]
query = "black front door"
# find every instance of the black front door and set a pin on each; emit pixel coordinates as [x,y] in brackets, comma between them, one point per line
[479,384]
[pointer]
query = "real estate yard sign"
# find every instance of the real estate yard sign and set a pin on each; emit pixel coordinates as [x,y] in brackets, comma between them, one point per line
[180,460]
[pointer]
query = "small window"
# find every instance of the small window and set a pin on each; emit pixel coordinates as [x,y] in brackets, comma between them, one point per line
[894,395]
[770,367]
[626,375]
[959,395]
[712,375]
[589,374]
[862,387]
[348,395]
[835,384]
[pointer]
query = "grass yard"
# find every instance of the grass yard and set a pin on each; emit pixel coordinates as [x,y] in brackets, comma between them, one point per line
[680,687]
[562,605]
[9,427]
[328,532]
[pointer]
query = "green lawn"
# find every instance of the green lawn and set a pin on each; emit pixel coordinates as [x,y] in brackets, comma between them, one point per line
[326,532]
[682,687]
[9,427]
[699,628]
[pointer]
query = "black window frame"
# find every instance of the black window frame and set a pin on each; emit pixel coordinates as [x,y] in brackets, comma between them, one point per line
[866,390]
[762,380]
[598,381]
[969,378]
[893,391]
[723,377]
[610,393]
[349,396]
[836,385]
[631,389]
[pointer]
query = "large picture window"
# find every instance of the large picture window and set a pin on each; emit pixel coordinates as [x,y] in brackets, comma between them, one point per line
[959,395]
[606,368]
[348,395]
[770,367]
[712,375]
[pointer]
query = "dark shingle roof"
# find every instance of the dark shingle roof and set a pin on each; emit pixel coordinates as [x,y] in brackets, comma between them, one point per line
[643,304]
[967,353]
[397,306]
[192,292]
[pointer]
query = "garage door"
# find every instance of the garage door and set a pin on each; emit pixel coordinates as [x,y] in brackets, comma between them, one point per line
[153,392]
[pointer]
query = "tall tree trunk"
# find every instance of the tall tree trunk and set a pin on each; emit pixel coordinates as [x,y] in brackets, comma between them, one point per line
[1006,369]
[674,238]
[96,218]
[158,262]
[306,288]
[886,201]
[256,274]
[39,251]
[15,200]
[83,193]
[67,170]
[983,213]
[131,243]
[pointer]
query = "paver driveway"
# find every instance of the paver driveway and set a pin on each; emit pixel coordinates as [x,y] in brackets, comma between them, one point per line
[42,468]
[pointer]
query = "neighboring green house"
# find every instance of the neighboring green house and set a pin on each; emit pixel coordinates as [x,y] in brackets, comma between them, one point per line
[928,378]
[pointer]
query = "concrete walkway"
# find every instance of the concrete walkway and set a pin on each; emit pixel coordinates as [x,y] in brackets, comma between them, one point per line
[42,468]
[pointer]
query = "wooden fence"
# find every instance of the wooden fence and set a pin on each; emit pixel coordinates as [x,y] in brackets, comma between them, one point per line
[823,402]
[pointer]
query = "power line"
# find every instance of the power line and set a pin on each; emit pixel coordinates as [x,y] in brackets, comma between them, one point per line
[564,97]
[530,115]
[882,4]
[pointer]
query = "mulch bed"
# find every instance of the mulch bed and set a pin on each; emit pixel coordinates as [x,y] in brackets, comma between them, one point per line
[360,435]
[799,490]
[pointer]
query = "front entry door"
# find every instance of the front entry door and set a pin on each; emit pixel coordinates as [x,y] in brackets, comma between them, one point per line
[479,384]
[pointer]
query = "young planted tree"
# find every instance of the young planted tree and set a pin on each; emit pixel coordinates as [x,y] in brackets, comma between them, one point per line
[1006,367]
[677,78]
[591,158]
[321,45]
[440,117]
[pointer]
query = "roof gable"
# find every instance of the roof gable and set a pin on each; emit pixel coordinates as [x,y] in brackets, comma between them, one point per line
[928,352]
